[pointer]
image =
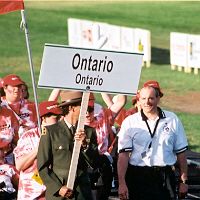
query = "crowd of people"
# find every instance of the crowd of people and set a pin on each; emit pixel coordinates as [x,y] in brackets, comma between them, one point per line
[35,164]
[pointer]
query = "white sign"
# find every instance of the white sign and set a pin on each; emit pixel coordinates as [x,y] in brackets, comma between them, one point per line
[67,67]
[142,43]
[194,51]
[127,39]
[178,49]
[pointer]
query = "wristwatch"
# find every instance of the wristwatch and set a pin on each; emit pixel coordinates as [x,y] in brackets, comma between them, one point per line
[183,181]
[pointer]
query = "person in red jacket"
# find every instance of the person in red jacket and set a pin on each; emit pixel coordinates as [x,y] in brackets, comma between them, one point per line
[30,184]
[9,126]
[23,110]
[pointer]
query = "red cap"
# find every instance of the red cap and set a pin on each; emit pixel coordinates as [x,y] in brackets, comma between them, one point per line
[47,107]
[155,85]
[12,80]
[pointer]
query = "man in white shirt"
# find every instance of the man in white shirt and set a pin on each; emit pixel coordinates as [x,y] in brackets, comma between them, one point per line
[150,143]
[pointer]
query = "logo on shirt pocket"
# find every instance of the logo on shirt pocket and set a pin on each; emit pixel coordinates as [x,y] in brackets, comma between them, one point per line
[166,129]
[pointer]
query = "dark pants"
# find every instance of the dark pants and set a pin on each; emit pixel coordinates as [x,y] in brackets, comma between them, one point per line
[83,187]
[82,190]
[107,177]
[106,172]
[151,183]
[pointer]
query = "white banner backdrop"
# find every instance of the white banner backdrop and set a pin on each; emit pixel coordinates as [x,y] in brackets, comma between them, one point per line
[127,39]
[118,38]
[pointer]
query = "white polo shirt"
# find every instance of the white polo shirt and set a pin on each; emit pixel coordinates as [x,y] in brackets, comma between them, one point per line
[159,150]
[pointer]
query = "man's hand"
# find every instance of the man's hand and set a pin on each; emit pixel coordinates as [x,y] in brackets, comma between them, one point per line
[65,192]
[123,192]
[183,189]
[80,135]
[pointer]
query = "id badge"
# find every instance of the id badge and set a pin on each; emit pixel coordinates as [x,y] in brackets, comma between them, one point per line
[143,154]
[146,156]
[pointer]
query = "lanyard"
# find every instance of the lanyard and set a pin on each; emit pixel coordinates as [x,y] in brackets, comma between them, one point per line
[154,131]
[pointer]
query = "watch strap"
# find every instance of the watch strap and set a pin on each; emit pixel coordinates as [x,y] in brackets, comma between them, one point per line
[183,181]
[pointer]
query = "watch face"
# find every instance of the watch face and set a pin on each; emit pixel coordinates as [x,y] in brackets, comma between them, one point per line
[184,181]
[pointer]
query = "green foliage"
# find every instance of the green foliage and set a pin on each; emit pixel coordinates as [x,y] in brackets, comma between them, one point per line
[47,23]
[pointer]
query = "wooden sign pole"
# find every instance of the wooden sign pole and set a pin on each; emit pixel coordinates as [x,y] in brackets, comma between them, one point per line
[77,144]
[99,42]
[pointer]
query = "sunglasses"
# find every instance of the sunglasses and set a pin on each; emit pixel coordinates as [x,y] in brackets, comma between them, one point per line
[90,109]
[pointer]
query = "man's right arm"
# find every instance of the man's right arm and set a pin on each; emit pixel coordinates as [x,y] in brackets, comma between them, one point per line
[183,168]
[122,166]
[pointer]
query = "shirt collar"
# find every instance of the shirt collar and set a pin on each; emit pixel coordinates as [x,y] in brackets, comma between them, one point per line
[161,114]
[68,124]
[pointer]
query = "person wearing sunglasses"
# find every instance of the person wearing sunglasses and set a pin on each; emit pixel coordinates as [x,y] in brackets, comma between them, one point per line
[103,122]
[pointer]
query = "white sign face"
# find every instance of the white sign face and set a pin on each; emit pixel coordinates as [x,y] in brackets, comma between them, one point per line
[194,51]
[72,68]
[142,43]
[127,39]
[178,49]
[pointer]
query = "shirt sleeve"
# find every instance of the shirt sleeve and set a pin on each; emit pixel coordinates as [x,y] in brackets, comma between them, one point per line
[22,148]
[181,143]
[125,140]
[26,143]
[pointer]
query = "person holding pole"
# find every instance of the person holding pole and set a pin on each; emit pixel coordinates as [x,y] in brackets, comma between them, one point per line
[150,142]
[55,152]
[103,124]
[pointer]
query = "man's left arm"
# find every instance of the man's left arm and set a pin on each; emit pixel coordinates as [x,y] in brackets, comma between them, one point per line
[183,168]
